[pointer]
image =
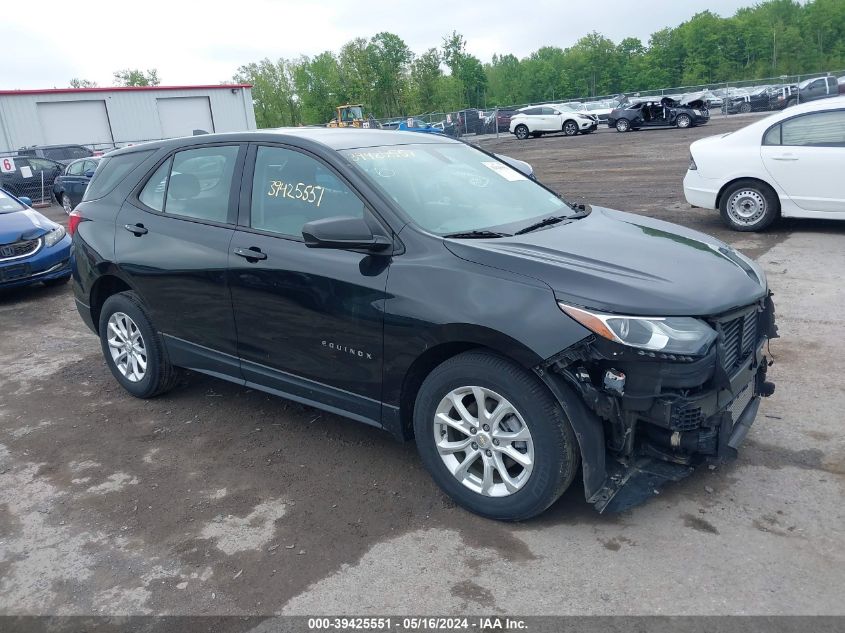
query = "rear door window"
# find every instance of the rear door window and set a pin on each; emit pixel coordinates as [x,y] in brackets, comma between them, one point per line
[819,129]
[75,169]
[200,183]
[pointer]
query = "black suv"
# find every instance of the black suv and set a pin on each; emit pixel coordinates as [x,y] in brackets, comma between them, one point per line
[422,286]
[63,154]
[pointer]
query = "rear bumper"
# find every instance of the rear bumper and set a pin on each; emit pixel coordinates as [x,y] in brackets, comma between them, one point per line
[699,191]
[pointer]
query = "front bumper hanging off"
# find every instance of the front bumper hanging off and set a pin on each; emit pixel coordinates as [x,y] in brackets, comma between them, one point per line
[675,417]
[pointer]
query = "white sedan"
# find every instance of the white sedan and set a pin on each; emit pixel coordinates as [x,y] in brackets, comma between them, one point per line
[538,120]
[789,164]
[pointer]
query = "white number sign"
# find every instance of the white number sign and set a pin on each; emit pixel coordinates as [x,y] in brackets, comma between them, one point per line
[7,165]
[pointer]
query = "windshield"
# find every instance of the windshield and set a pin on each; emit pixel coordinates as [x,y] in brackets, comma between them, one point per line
[9,204]
[454,188]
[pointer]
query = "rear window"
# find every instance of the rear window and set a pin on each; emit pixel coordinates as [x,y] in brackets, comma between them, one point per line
[111,171]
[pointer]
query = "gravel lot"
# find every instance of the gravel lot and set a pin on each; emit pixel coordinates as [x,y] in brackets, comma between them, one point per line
[216,499]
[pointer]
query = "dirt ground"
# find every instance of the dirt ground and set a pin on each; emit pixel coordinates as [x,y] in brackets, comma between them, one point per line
[216,499]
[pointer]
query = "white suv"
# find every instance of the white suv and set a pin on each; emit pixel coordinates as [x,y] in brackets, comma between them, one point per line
[538,120]
[789,164]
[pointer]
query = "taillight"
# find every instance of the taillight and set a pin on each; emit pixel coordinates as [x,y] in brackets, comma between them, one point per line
[73,221]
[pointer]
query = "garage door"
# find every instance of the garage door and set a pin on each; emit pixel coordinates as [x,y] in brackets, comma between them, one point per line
[79,122]
[180,116]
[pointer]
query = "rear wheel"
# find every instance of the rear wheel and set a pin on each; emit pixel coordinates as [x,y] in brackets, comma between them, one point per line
[570,128]
[745,108]
[521,132]
[749,205]
[623,125]
[493,437]
[683,121]
[133,350]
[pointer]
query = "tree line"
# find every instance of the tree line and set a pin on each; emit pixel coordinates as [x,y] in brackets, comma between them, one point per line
[769,39]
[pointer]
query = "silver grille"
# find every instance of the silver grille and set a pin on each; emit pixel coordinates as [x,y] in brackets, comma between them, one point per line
[16,250]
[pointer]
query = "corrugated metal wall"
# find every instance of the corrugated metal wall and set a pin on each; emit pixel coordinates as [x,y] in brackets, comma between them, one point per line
[133,115]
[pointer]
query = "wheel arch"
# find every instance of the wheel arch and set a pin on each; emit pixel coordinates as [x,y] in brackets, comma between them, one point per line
[733,181]
[434,355]
[104,287]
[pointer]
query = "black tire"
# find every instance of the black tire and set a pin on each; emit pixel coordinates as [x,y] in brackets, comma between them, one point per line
[623,125]
[58,281]
[160,376]
[755,192]
[745,108]
[570,127]
[556,457]
[683,121]
[521,132]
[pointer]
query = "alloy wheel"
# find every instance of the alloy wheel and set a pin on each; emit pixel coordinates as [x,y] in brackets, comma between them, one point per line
[483,441]
[570,129]
[746,207]
[622,125]
[66,205]
[127,348]
[684,121]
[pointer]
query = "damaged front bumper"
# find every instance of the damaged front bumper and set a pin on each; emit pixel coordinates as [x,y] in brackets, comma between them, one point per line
[643,420]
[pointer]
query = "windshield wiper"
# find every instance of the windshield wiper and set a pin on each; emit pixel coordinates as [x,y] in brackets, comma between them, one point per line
[477,234]
[544,222]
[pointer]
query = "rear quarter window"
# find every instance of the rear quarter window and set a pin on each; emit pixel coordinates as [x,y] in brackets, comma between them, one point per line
[111,171]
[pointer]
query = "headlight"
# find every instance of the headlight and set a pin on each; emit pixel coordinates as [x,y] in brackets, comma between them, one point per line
[669,335]
[54,236]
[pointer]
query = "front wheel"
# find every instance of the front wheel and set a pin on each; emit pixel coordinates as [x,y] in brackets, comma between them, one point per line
[133,350]
[521,132]
[493,437]
[570,128]
[749,205]
[745,108]
[683,121]
[622,125]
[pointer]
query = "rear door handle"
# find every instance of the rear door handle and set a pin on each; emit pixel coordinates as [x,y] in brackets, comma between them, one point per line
[253,253]
[137,229]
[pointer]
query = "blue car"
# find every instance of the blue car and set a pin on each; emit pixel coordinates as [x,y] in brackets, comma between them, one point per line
[32,248]
[417,125]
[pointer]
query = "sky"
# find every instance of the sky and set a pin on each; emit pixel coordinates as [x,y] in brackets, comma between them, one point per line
[45,44]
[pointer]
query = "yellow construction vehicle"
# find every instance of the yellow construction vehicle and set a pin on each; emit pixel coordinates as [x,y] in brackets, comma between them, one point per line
[349,115]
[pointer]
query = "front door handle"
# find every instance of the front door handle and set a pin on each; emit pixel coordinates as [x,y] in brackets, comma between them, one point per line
[253,253]
[785,157]
[137,229]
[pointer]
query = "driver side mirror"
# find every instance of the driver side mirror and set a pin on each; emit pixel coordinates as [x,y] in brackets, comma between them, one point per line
[89,173]
[25,200]
[343,232]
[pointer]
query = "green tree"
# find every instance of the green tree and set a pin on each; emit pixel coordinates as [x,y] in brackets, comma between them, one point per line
[390,58]
[82,83]
[135,77]
[273,92]
[426,74]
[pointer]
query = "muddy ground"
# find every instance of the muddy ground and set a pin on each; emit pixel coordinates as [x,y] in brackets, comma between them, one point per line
[216,499]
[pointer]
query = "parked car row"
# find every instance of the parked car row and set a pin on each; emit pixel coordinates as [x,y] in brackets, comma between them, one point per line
[551,119]
[780,96]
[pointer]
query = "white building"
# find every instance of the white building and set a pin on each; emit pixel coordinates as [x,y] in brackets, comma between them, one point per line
[113,117]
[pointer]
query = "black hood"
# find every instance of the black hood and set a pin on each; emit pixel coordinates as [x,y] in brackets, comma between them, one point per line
[626,264]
